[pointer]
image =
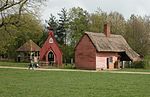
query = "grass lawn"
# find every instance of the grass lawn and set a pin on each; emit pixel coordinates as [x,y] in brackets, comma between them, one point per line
[135,70]
[30,83]
[14,64]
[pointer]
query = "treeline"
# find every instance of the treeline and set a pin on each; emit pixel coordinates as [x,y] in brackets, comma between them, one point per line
[71,25]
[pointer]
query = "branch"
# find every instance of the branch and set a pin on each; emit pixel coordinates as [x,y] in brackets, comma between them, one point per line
[10,7]
[21,6]
[7,5]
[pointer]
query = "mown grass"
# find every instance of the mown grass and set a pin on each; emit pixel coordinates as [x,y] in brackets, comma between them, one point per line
[30,83]
[135,70]
[14,64]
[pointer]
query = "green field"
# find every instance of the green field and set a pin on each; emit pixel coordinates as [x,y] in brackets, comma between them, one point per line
[134,70]
[30,83]
[14,64]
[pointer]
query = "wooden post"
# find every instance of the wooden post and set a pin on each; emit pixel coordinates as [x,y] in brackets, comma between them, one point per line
[123,64]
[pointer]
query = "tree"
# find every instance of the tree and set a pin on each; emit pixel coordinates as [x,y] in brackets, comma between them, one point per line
[30,29]
[117,22]
[138,33]
[10,7]
[62,27]
[53,23]
[97,20]
[147,27]
[62,32]
[78,24]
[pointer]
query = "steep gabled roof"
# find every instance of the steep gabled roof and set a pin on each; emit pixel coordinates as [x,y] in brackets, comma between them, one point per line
[114,43]
[29,46]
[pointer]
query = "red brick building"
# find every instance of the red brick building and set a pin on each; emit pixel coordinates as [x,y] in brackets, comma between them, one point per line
[50,52]
[103,51]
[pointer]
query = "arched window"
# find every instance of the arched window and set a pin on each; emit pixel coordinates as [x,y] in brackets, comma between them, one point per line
[50,56]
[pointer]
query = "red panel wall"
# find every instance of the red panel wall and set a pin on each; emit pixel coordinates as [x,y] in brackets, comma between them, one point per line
[85,54]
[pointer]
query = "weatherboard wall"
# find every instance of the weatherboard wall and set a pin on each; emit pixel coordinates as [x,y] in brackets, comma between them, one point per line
[85,54]
[101,60]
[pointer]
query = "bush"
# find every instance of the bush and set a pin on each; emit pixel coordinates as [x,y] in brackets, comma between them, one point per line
[139,64]
[142,64]
[69,66]
[147,62]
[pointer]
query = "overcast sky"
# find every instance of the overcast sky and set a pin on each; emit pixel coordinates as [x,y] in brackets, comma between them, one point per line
[125,7]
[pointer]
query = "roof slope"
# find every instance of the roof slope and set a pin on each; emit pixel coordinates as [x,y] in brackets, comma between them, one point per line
[29,46]
[114,43]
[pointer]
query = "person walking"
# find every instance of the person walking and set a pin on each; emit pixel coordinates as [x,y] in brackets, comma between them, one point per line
[36,62]
[31,65]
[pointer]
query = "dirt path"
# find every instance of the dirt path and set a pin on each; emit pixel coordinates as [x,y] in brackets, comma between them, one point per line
[121,72]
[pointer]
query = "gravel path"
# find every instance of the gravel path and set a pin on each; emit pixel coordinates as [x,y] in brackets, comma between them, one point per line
[42,69]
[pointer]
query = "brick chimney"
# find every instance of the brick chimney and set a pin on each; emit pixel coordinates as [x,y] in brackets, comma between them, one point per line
[107,30]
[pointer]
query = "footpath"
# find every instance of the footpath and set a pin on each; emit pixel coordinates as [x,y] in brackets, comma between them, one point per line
[42,69]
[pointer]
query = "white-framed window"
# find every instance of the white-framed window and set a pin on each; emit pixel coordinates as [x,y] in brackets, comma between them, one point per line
[51,40]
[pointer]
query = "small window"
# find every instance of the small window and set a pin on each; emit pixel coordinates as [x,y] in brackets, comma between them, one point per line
[111,59]
[51,40]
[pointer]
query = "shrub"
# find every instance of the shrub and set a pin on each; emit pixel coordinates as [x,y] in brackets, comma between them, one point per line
[69,66]
[147,62]
[139,64]
[142,64]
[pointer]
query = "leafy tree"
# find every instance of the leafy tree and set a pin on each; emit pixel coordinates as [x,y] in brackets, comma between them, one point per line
[78,24]
[30,29]
[137,34]
[97,20]
[115,19]
[42,38]
[117,22]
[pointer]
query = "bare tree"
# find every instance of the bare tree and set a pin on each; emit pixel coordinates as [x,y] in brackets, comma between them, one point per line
[10,7]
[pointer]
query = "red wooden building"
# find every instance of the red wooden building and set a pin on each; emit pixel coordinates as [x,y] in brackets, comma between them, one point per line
[103,51]
[50,52]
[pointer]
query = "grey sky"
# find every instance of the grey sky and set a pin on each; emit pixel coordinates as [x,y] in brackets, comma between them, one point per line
[125,7]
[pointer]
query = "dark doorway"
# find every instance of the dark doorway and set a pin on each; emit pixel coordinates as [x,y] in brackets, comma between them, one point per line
[107,63]
[116,65]
[51,58]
